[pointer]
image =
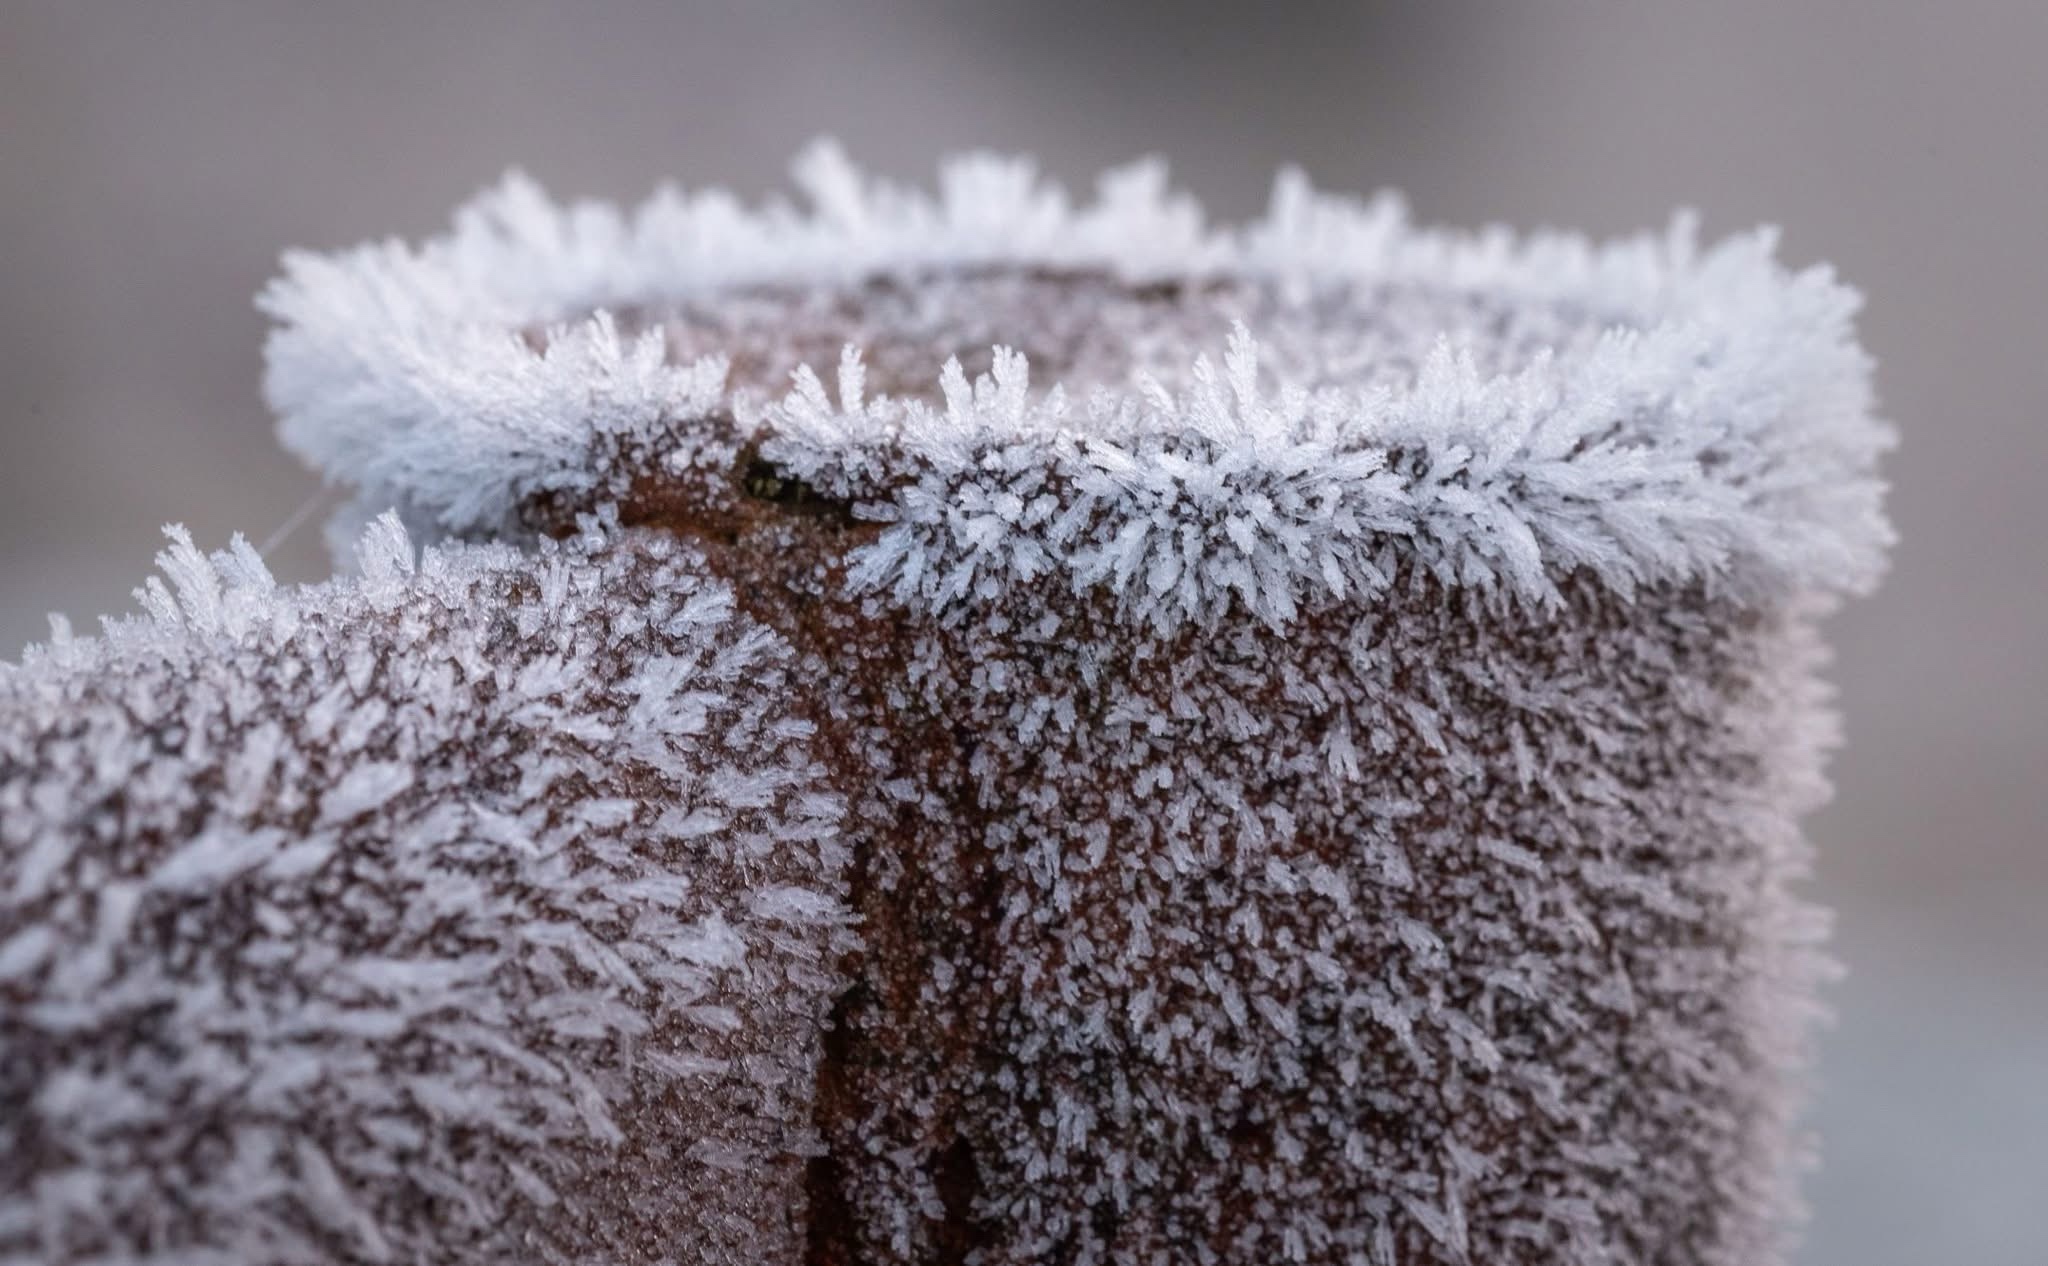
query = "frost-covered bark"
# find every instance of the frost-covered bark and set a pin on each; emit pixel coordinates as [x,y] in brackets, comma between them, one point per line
[1456,932]
[483,908]
[1326,713]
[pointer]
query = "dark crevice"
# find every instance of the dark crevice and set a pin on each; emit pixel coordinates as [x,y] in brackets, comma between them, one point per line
[763,480]
[829,1231]
[958,1179]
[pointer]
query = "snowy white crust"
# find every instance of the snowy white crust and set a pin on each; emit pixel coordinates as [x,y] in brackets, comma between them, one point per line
[1690,415]
[479,909]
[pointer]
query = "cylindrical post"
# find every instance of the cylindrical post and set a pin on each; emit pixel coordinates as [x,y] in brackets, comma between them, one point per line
[1325,708]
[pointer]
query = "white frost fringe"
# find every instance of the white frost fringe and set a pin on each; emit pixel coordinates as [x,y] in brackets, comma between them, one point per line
[1721,429]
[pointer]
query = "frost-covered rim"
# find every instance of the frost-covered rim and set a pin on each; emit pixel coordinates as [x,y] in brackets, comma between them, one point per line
[1722,430]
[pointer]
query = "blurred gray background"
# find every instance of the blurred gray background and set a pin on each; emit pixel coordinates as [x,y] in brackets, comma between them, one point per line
[154,158]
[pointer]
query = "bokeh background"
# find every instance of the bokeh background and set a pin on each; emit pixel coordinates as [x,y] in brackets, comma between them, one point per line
[155,157]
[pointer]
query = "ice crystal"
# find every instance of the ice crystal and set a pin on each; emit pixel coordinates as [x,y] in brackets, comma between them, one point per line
[482,908]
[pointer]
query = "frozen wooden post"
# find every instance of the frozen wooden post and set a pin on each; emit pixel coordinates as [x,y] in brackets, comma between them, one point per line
[1326,705]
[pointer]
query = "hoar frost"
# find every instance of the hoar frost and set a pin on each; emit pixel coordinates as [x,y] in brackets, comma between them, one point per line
[1323,708]
[480,908]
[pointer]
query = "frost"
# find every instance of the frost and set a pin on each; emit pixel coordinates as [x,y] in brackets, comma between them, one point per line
[1322,711]
[340,924]
[1516,408]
